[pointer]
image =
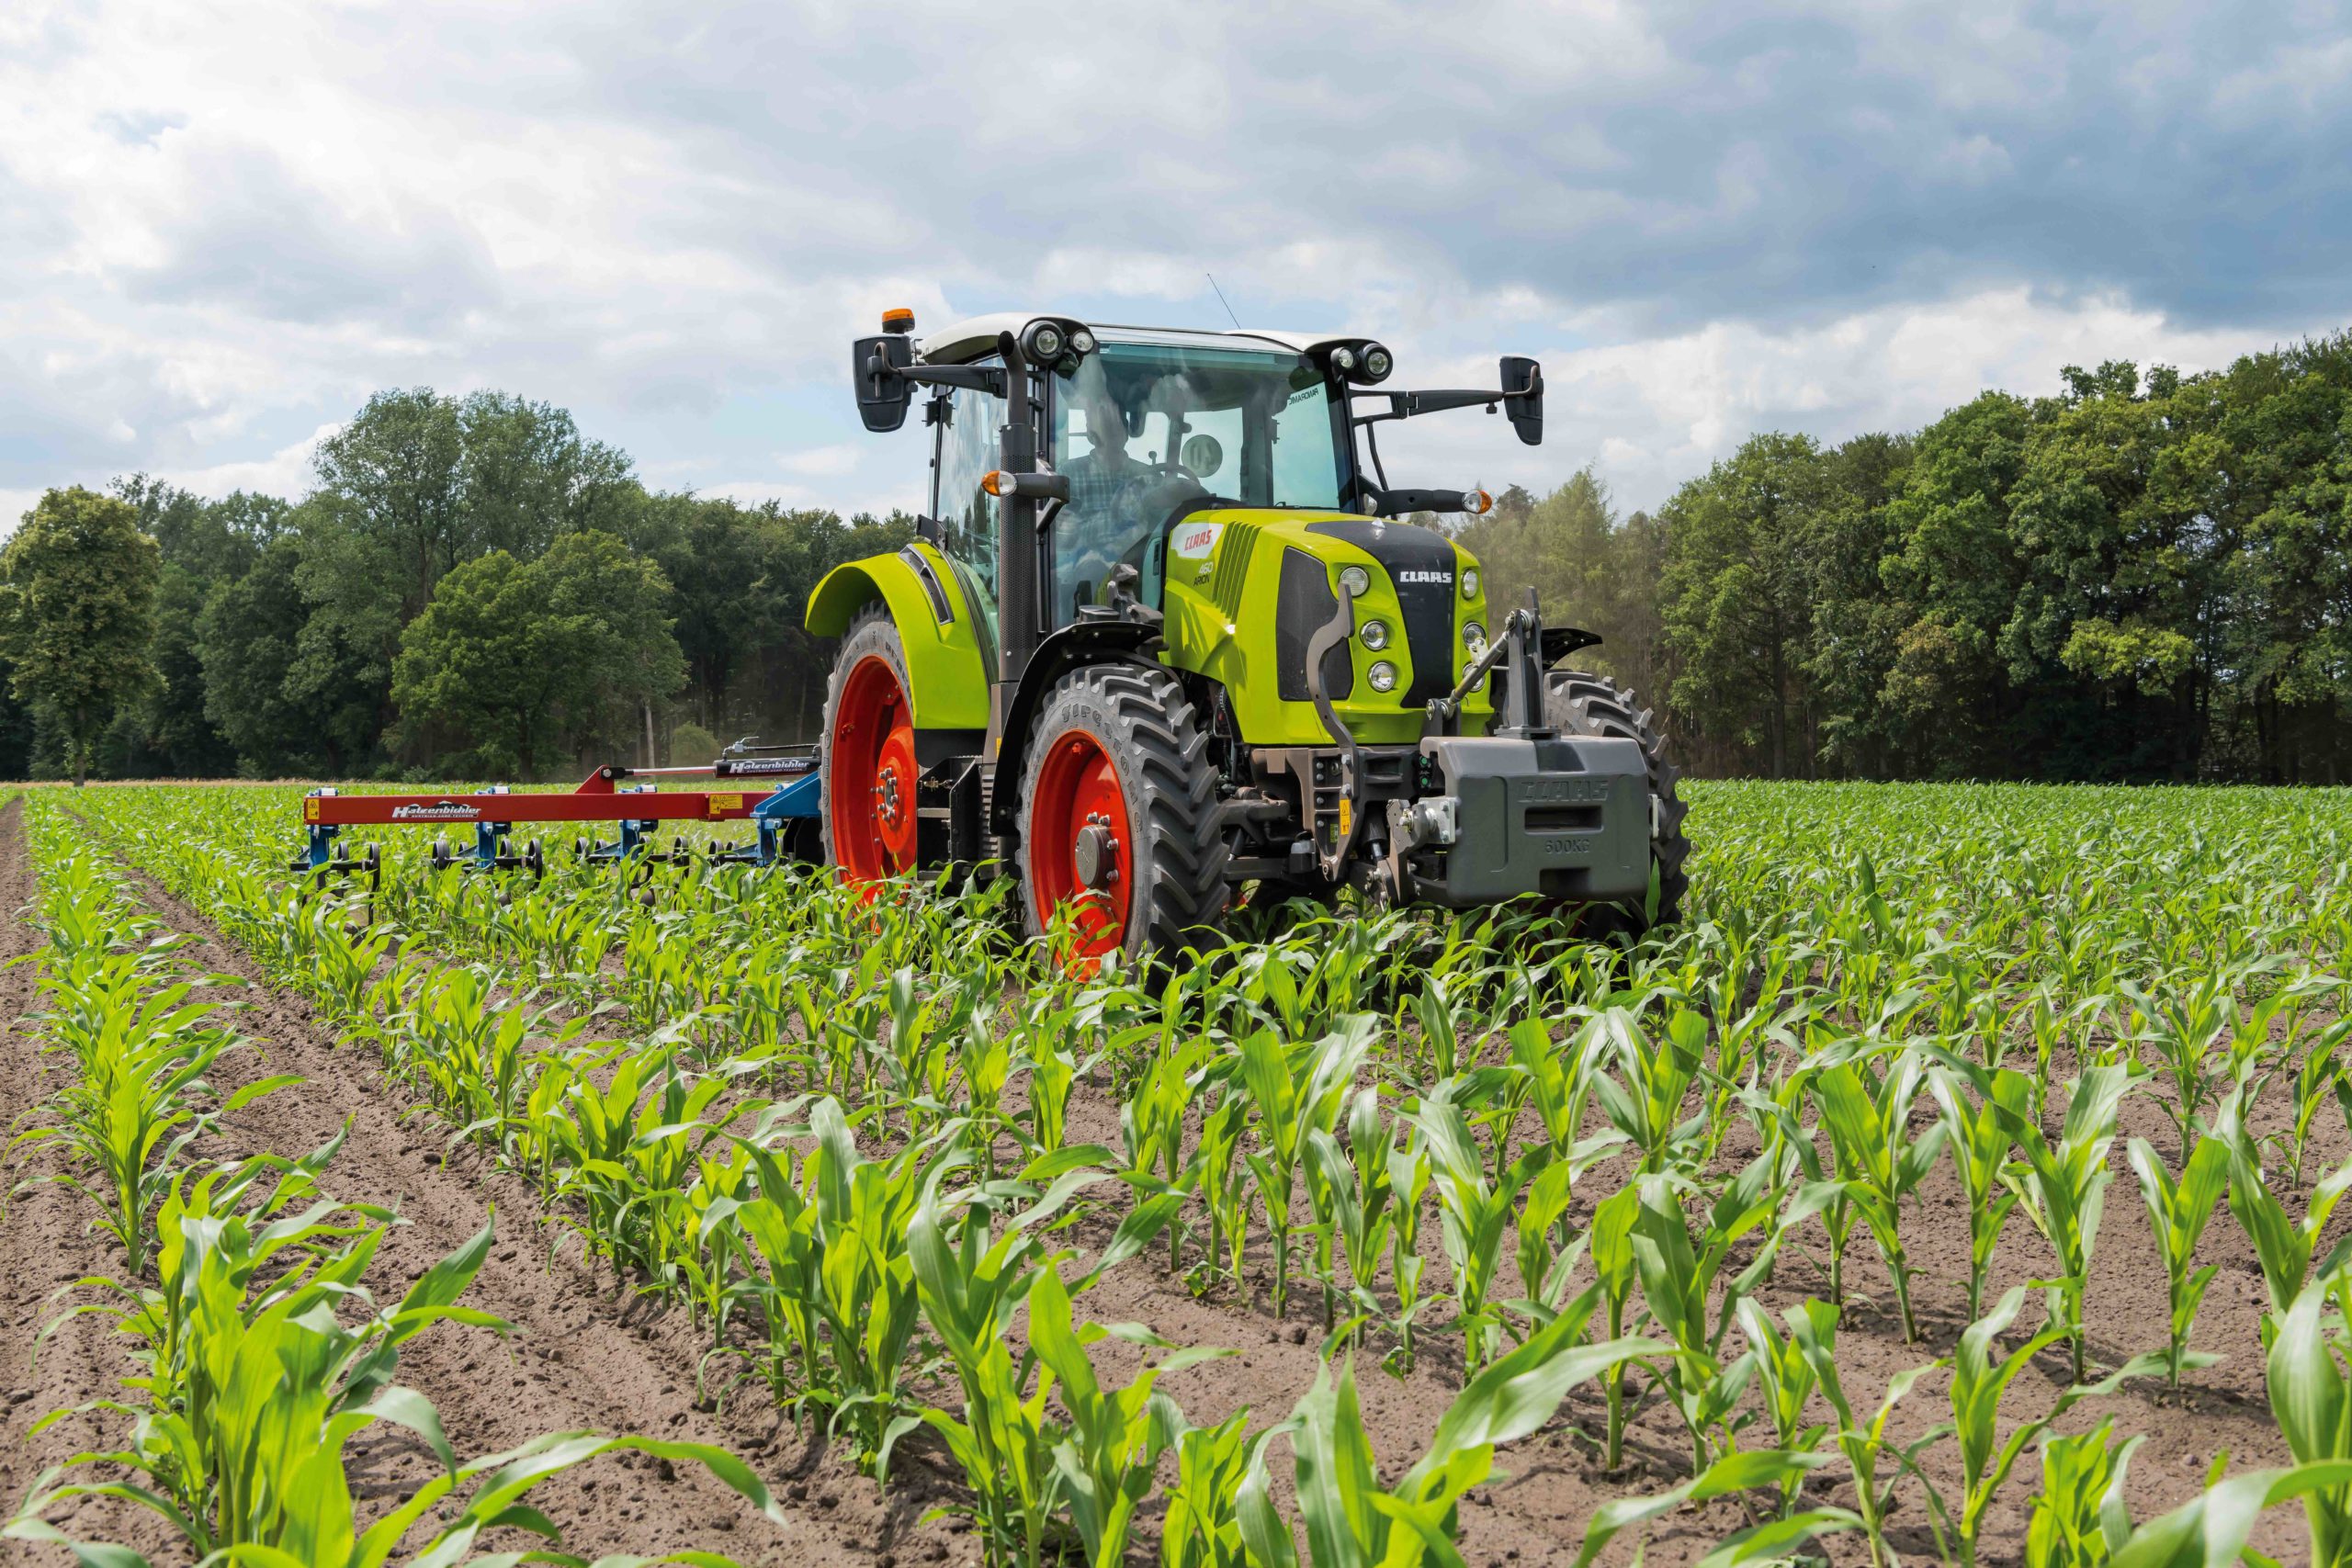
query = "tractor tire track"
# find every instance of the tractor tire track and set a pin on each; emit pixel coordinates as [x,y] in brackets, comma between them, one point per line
[583,1355]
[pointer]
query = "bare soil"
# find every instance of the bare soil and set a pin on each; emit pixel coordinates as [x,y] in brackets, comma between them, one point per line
[588,1355]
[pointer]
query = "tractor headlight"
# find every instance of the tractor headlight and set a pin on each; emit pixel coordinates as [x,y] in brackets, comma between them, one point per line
[1473,638]
[1081,342]
[1469,583]
[1374,635]
[1383,676]
[1044,342]
[1343,359]
[1355,581]
[1376,362]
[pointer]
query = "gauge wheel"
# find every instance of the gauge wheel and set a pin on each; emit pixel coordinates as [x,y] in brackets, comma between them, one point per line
[1578,702]
[1118,811]
[866,788]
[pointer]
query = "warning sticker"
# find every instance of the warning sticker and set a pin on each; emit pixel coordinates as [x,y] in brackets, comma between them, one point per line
[721,804]
[1195,541]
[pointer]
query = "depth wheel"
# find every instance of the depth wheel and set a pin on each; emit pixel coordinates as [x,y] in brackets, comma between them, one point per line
[1578,702]
[866,792]
[1118,800]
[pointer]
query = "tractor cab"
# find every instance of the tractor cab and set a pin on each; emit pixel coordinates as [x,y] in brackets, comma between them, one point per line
[1165,636]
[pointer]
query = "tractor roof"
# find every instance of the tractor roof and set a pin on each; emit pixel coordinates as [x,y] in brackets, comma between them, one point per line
[975,336]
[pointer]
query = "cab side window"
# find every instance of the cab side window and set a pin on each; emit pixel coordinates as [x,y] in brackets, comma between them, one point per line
[968,513]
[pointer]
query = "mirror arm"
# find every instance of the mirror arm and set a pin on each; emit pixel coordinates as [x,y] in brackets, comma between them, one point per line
[973,378]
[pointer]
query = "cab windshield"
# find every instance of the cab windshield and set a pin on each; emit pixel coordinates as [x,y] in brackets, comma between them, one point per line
[1143,427]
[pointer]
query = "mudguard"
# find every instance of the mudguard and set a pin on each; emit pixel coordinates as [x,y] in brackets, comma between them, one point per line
[936,628]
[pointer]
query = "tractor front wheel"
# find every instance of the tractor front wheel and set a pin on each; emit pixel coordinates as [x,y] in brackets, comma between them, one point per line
[1578,702]
[866,792]
[1118,798]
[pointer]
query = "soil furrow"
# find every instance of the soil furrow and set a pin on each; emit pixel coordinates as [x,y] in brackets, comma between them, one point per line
[583,1355]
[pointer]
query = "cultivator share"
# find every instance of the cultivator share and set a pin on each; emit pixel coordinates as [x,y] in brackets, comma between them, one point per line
[781,805]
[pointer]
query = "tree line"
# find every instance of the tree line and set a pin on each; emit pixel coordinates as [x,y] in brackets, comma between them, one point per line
[471,589]
[2138,576]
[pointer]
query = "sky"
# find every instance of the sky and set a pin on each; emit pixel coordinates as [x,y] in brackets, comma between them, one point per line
[224,225]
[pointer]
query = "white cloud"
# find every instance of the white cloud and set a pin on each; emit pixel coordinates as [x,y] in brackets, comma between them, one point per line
[1651,412]
[224,221]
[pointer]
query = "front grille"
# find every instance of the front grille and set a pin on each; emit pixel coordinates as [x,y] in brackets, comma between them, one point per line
[1303,603]
[1426,602]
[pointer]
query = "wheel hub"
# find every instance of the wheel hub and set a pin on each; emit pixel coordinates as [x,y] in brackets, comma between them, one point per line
[1095,855]
[888,804]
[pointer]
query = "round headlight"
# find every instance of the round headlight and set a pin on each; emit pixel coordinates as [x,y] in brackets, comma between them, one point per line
[1469,583]
[1474,637]
[1356,581]
[1082,341]
[1375,634]
[1045,341]
[1343,359]
[1383,676]
[1376,364]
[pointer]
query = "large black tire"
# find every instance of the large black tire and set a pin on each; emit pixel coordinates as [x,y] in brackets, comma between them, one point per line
[1577,702]
[871,633]
[1147,726]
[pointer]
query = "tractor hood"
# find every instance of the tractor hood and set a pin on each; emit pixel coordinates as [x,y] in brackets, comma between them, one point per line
[1247,587]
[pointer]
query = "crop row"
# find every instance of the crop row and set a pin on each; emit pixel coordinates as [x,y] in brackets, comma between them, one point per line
[258,1352]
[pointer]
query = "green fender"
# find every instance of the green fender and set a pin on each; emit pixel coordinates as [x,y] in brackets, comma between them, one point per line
[951,684]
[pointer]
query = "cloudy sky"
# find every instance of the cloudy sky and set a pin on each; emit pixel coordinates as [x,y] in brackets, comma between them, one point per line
[221,225]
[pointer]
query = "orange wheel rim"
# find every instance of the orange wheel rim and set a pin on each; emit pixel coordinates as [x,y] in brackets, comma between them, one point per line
[870,774]
[1082,856]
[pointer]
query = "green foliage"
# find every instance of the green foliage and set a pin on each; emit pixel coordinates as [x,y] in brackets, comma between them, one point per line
[516,654]
[77,613]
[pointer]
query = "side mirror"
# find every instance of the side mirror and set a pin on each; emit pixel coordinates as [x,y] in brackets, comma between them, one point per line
[1524,397]
[882,393]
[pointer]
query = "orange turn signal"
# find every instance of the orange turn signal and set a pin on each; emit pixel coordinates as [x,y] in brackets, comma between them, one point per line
[994,482]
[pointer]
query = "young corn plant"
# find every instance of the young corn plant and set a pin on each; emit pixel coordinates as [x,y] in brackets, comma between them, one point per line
[1409,1179]
[1203,1528]
[1678,1275]
[2077,1520]
[1786,1380]
[1643,1102]
[1864,1445]
[1979,1377]
[2063,1186]
[1979,1139]
[1295,1091]
[1353,1185]
[1610,1243]
[1471,1213]
[1103,1463]
[2283,1245]
[2310,1399]
[1351,1522]
[1880,1164]
[2178,1214]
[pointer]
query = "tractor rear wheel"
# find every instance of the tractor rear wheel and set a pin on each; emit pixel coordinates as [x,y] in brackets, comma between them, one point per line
[1578,702]
[866,794]
[1118,803]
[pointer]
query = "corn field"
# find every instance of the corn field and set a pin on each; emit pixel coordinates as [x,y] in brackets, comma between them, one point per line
[1805,1230]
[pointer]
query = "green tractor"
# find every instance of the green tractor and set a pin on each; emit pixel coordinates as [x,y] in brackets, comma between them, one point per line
[1162,642]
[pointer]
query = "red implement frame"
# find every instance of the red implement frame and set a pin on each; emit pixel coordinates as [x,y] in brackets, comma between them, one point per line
[597,800]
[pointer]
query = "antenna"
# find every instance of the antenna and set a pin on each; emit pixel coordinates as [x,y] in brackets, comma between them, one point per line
[1222,301]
